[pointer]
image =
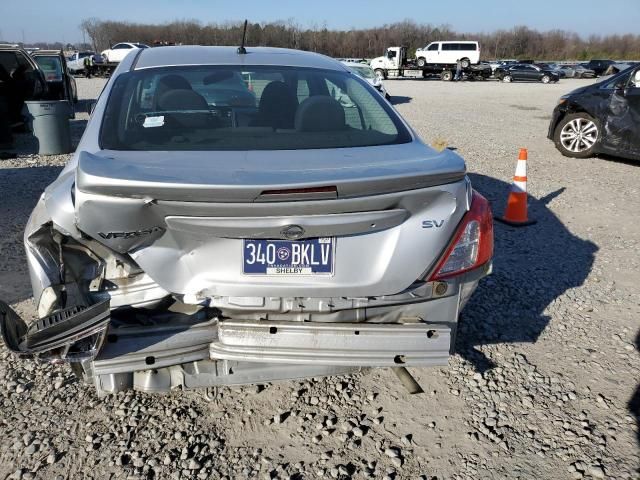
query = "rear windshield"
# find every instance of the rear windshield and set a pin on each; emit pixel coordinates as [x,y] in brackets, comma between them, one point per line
[246,108]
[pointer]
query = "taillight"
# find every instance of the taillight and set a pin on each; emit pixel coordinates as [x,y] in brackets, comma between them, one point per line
[472,245]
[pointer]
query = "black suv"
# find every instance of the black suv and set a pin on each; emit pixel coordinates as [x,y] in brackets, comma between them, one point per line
[600,118]
[20,79]
[598,66]
[526,72]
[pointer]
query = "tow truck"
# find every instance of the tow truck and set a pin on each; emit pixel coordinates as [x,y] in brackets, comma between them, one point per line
[395,64]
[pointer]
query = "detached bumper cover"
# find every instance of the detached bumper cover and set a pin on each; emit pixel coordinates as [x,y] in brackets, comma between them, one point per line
[355,344]
[60,329]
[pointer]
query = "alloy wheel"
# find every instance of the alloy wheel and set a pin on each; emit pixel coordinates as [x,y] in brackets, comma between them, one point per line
[579,135]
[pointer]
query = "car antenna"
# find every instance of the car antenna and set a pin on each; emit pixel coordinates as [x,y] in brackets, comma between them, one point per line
[241,49]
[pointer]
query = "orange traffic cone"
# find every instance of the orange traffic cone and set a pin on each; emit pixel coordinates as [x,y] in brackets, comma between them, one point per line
[516,212]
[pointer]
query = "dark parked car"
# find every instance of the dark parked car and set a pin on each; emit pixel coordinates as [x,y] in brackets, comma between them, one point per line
[600,118]
[598,66]
[20,79]
[60,82]
[525,72]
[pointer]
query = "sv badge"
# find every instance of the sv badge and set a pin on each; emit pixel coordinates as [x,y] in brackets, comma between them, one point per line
[432,223]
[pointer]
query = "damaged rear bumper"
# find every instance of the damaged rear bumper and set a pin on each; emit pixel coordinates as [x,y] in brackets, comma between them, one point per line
[236,352]
[183,347]
[356,344]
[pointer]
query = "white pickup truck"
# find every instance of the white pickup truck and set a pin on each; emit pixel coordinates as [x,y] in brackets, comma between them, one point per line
[75,63]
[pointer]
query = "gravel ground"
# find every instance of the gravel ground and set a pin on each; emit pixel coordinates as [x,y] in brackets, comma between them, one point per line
[541,386]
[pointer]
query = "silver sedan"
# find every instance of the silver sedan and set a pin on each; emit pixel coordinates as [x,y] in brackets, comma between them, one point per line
[235,217]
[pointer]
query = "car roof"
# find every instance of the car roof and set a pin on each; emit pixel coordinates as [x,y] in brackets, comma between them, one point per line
[46,52]
[207,55]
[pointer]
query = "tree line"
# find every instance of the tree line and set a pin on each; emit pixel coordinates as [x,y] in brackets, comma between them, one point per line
[518,43]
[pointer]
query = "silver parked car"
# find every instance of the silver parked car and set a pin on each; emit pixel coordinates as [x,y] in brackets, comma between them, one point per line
[366,72]
[228,218]
[583,72]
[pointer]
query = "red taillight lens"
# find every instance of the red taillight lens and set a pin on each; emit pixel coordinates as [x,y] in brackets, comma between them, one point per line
[472,244]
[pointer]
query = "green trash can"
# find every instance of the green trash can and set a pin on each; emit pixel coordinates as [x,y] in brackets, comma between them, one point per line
[49,121]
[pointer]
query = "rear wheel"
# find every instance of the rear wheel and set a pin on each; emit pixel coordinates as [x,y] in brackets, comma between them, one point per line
[446,75]
[465,62]
[577,135]
[507,79]
[545,79]
[422,62]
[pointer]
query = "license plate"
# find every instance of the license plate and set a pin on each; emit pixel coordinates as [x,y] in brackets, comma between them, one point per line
[283,257]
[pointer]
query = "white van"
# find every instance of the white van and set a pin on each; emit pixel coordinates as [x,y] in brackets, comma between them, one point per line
[449,53]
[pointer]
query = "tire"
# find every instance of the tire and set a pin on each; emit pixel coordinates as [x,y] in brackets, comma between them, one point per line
[422,62]
[577,135]
[465,62]
[545,79]
[446,76]
[380,73]
[507,78]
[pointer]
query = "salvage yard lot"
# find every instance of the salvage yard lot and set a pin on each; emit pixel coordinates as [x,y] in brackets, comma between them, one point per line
[541,386]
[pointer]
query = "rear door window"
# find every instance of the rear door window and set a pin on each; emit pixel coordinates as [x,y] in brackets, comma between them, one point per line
[51,66]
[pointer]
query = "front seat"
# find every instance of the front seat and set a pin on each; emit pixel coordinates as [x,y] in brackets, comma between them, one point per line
[320,114]
[277,107]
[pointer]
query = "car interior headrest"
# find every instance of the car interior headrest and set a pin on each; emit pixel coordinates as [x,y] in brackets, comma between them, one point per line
[182,99]
[320,113]
[277,107]
[174,82]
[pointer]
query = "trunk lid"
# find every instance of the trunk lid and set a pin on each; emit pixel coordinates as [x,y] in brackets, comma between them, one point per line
[183,215]
[244,176]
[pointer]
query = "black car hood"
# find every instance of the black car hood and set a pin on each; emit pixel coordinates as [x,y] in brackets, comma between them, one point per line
[580,90]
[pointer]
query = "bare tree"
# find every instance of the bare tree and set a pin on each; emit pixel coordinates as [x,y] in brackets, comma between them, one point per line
[519,42]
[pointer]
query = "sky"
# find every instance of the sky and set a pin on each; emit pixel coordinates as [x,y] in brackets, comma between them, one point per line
[50,20]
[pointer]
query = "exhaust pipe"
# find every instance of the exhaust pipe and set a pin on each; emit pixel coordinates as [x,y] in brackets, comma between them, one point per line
[408,380]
